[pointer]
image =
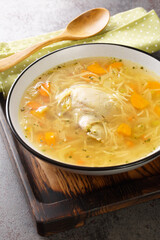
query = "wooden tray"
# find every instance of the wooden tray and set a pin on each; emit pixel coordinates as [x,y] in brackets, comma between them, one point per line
[61,200]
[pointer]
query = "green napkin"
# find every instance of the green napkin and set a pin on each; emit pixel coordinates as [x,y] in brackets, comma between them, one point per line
[135,28]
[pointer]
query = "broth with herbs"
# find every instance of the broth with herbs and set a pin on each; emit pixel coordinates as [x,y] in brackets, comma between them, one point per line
[93,112]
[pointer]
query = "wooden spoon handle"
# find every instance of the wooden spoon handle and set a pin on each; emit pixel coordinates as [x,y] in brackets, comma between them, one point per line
[12,60]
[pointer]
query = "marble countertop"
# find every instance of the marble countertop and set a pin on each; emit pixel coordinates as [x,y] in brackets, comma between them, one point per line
[25,18]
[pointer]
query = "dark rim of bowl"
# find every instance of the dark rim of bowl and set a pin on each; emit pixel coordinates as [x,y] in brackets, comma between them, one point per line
[140,162]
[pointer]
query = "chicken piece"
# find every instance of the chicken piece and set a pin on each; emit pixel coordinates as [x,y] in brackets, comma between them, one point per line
[86,97]
[92,126]
[92,105]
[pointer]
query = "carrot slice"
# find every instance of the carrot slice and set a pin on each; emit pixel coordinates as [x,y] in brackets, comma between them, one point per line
[50,138]
[157,110]
[33,105]
[124,129]
[138,101]
[96,68]
[153,85]
[40,112]
[44,89]
[114,65]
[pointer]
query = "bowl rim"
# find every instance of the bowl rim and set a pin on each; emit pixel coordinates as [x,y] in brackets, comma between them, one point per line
[57,163]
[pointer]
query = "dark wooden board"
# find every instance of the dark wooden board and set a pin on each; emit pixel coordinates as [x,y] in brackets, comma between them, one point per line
[62,200]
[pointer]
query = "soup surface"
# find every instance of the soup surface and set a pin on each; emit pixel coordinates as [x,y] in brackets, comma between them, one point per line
[93,112]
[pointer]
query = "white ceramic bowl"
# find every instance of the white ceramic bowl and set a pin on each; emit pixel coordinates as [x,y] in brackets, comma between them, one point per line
[61,56]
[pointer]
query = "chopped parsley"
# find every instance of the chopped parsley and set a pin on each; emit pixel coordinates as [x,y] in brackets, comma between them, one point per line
[36,125]
[58,67]
[88,130]
[22,109]
[147,140]
[84,150]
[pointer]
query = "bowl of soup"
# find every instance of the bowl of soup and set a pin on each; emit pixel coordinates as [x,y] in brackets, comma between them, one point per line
[91,109]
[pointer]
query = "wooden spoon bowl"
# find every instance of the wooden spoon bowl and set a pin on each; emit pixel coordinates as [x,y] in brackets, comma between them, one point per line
[88,23]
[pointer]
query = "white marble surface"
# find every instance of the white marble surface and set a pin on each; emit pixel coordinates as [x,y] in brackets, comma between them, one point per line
[25,18]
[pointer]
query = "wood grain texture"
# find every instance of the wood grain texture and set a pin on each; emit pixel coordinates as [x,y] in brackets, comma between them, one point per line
[62,200]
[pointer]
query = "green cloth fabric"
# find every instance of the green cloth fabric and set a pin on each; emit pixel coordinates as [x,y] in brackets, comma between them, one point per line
[136,28]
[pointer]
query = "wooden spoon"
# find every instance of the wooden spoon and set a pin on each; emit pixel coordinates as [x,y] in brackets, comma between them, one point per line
[86,25]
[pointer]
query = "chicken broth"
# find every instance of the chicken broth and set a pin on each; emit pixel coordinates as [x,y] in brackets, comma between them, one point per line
[93,112]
